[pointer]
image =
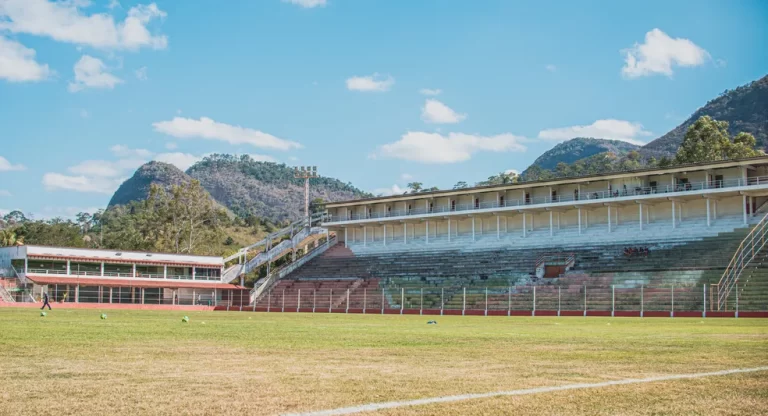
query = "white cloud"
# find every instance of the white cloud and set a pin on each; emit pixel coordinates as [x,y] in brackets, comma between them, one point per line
[512,172]
[6,166]
[80,183]
[5,193]
[181,160]
[114,4]
[206,128]
[141,73]
[438,113]
[91,72]
[65,212]
[171,146]
[455,147]
[659,54]
[406,176]
[393,190]
[370,83]
[550,68]
[427,91]
[18,64]
[123,151]
[262,158]
[293,159]
[600,129]
[308,4]
[63,21]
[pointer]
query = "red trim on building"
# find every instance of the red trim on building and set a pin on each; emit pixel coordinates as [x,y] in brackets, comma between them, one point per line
[160,283]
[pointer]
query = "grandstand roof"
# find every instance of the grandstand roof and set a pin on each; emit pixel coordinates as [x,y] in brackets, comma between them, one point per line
[115,256]
[557,181]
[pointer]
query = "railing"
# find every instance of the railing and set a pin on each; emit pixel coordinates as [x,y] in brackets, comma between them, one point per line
[668,300]
[314,219]
[750,247]
[289,268]
[576,197]
[5,296]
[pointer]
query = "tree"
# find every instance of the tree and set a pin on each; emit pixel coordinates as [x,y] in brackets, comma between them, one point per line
[7,238]
[460,185]
[317,205]
[665,162]
[84,219]
[415,187]
[15,217]
[708,140]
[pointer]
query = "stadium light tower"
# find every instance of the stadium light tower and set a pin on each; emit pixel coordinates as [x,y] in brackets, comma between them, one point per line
[306,172]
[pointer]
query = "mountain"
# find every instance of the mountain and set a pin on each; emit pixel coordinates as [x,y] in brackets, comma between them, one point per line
[265,189]
[136,188]
[580,148]
[244,186]
[744,108]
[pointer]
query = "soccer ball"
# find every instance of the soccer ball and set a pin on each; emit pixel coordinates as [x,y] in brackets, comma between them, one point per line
[103,316]
[43,314]
[185,319]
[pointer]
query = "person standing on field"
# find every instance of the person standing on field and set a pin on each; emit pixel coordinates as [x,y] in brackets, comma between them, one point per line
[45,301]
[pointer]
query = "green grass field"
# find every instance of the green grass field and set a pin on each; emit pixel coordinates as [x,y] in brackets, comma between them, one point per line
[149,362]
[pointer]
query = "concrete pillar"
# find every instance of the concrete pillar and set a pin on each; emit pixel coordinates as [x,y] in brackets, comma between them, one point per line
[405,233]
[744,208]
[506,228]
[194,271]
[69,269]
[385,235]
[579,219]
[525,224]
[708,214]
[134,269]
[102,269]
[427,232]
[714,211]
[165,271]
[345,237]
[365,236]
[674,208]
[473,228]
[498,227]
[449,230]
[641,216]
[551,226]
[609,218]
[558,220]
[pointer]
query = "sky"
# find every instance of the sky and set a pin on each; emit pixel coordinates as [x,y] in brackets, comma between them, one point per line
[378,93]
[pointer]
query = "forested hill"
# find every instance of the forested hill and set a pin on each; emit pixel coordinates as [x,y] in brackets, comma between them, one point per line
[744,108]
[580,148]
[265,189]
[244,186]
[137,187]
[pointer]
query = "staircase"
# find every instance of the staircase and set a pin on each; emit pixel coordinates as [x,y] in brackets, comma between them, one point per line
[748,250]
[5,296]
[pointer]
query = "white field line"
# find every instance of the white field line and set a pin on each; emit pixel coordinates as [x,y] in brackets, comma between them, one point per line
[444,399]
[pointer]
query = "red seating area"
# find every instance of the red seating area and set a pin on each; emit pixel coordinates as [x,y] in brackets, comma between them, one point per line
[322,294]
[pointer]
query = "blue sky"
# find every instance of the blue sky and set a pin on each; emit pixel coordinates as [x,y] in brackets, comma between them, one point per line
[374,92]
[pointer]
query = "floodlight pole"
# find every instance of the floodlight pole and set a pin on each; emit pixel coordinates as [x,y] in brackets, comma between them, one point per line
[306,172]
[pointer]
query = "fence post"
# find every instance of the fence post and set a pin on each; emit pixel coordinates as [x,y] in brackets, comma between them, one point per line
[558,301]
[402,300]
[533,312]
[509,301]
[314,300]
[298,302]
[486,301]
[585,300]
[642,287]
[330,301]
[282,307]
[347,309]
[736,288]
[421,301]
[442,300]
[704,312]
[269,301]
[464,302]
[613,300]
[672,315]
[365,299]
[382,301]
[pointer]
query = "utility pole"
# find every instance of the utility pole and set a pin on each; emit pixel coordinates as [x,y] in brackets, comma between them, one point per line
[306,172]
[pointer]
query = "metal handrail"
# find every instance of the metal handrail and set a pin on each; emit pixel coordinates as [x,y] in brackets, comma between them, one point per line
[749,247]
[576,197]
[289,268]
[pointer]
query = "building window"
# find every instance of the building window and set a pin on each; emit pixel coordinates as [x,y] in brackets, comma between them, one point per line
[453,205]
[477,203]
[501,201]
[527,198]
